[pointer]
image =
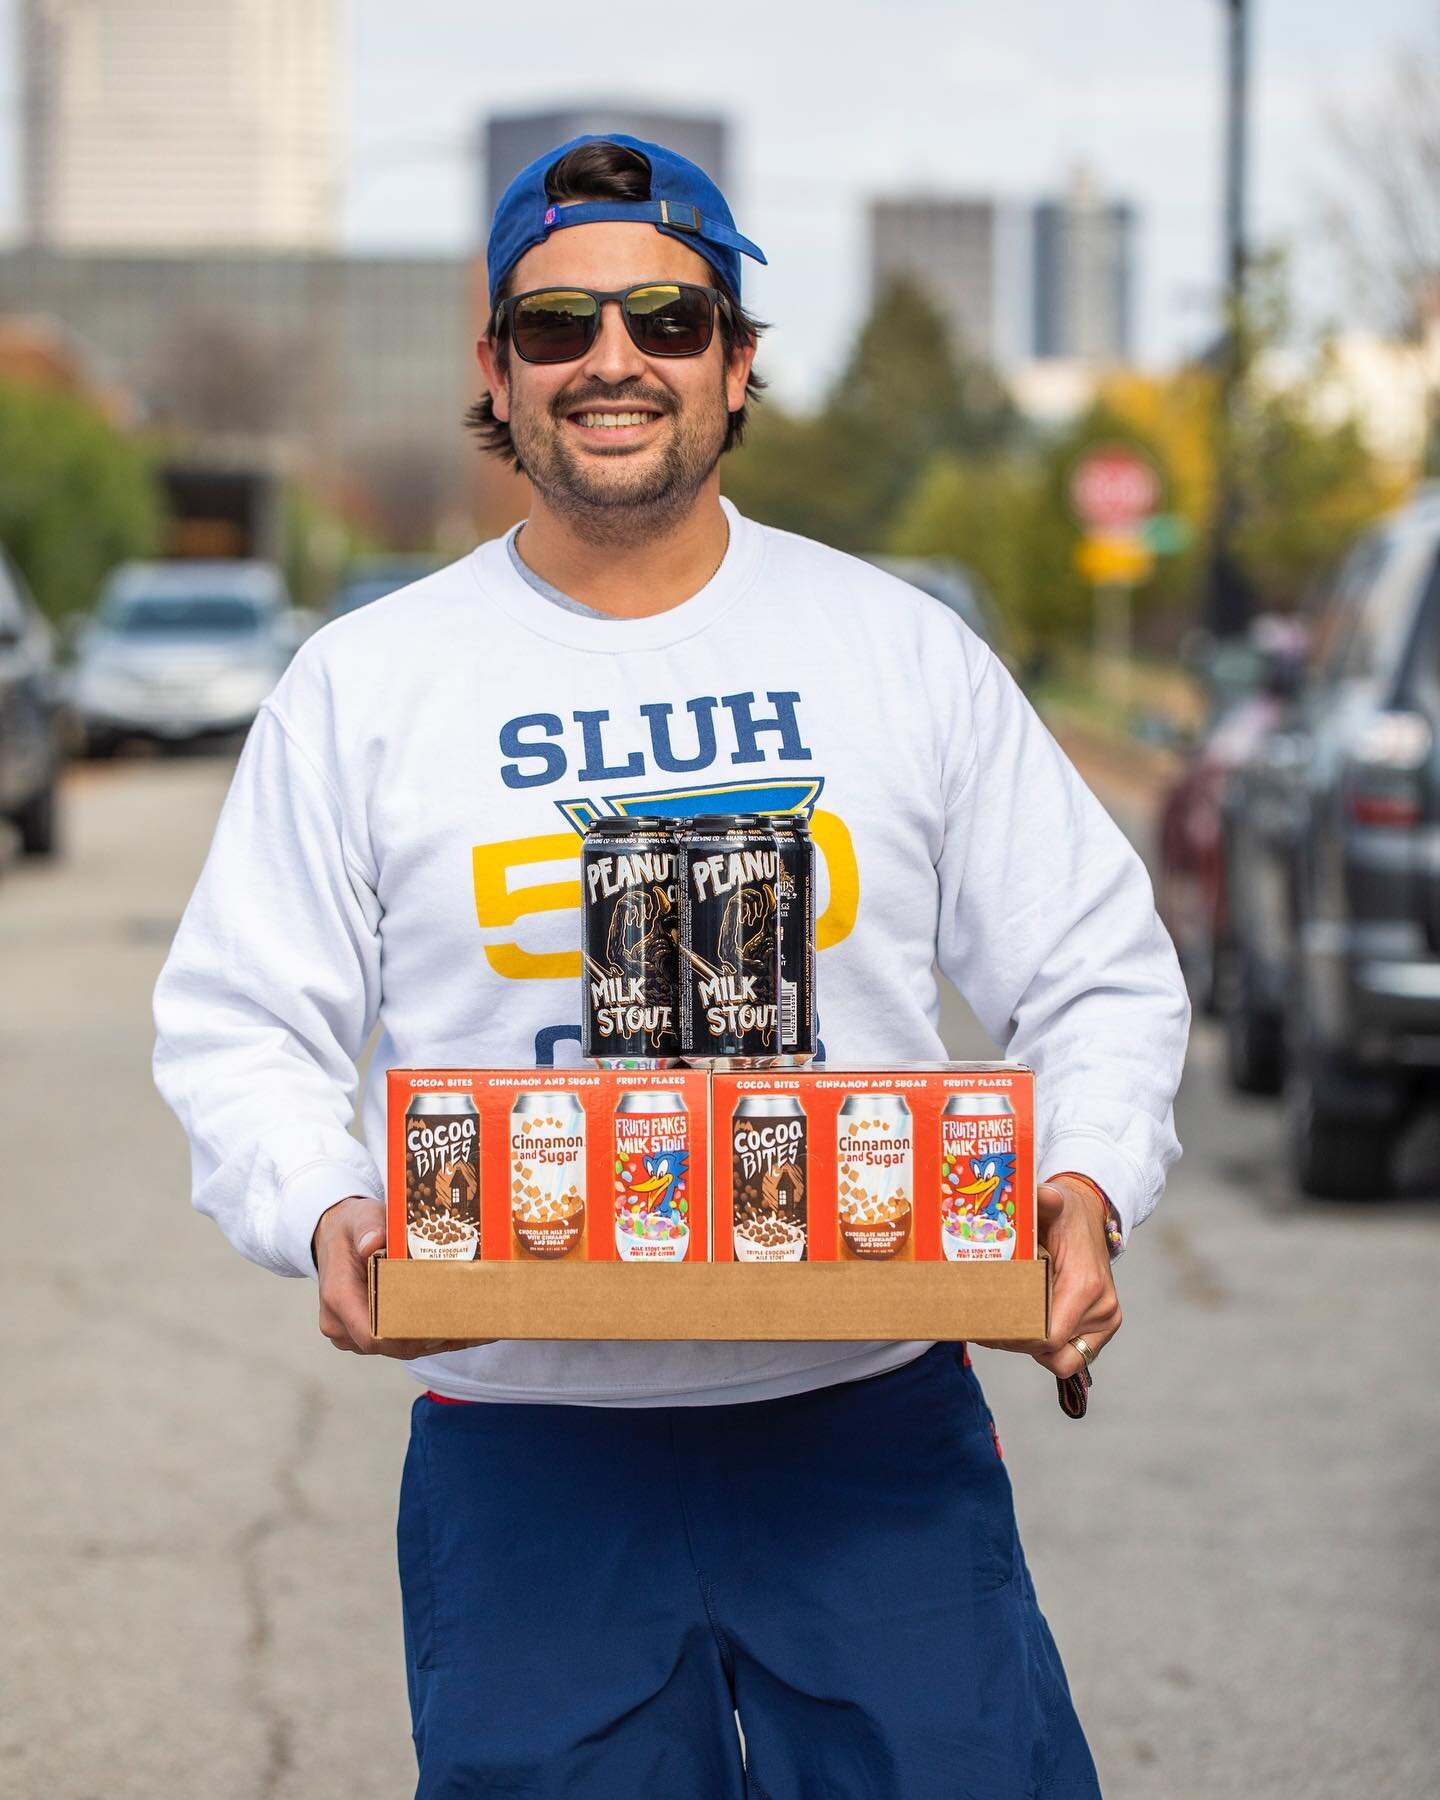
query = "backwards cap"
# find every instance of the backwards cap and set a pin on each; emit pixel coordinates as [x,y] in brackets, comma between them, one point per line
[684,203]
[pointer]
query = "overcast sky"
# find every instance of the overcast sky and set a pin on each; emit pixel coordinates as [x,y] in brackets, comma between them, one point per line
[831,103]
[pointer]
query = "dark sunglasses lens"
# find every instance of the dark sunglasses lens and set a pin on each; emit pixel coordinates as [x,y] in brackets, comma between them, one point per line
[669,319]
[553,327]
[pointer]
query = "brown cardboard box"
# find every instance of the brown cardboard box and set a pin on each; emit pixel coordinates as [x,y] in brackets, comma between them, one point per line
[1001,1302]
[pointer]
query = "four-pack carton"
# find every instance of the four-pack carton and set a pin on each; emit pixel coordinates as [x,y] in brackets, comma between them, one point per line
[547,1165]
[874,1165]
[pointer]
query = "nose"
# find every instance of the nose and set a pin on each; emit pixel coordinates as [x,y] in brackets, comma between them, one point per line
[613,357]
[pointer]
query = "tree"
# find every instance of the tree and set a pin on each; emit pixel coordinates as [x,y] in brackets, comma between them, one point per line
[75,496]
[905,395]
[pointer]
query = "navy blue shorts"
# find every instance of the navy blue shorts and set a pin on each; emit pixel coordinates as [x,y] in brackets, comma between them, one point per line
[592,1594]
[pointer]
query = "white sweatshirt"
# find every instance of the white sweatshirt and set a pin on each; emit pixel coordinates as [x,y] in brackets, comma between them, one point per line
[400,845]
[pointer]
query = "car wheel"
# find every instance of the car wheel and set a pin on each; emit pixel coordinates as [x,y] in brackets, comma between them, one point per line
[37,823]
[1340,1147]
[1254,1035]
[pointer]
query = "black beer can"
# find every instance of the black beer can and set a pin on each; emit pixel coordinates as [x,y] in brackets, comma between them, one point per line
[629,944]
[797,936]
[729,872]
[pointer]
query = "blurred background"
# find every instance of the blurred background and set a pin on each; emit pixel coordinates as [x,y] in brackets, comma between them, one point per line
[1117,328]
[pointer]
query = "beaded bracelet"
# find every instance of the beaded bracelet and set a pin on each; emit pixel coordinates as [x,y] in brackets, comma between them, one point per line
[1114,1235]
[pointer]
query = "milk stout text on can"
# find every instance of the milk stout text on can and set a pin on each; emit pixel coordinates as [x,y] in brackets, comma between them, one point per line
[629,940]
[652,1177]
[875,1176]
[797,936]
[729,942]
[442,1177]
[547,1174]
[769,1179]
[977,1178]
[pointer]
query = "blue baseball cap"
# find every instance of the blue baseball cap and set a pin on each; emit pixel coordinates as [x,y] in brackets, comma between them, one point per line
[684,203]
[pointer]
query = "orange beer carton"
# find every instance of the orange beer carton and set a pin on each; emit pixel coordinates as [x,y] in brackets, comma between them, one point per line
[874,1165]
[785,1204]
[548,1165]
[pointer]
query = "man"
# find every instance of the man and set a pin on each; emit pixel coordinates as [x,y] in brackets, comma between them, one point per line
[609,1550]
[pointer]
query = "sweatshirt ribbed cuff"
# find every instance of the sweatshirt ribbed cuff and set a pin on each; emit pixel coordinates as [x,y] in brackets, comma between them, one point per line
[307,1194]
[1107,1166]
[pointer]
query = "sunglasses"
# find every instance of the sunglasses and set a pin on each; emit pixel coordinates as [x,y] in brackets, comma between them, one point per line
[664,318]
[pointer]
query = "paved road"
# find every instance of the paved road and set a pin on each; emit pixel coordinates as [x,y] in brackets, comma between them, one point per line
[1237,1549]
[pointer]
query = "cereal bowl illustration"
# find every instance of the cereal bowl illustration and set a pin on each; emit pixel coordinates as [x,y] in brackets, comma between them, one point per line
[652,1210]
[547,1225]
[438,1233]
[763,1235]
[977,1208]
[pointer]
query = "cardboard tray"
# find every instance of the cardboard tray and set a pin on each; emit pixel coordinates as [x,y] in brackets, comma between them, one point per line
[1004,1302]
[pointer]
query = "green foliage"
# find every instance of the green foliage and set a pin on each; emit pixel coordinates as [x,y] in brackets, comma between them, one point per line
[905,395]
[76,497]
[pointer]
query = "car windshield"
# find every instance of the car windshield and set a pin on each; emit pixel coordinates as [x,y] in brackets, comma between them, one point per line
[183,615]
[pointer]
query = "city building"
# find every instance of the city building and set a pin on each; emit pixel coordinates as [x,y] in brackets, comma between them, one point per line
[1082,283]
[353,373]
[511,141]
[152,125]
[967,253]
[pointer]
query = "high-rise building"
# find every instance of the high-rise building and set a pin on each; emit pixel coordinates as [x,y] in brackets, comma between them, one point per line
[157,125]
[967,253]
[1082,275]
[515,140]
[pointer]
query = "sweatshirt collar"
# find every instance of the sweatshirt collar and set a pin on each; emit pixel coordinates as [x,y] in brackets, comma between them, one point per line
[495,575]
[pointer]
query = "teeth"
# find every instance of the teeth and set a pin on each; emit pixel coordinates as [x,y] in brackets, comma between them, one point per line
[606,421]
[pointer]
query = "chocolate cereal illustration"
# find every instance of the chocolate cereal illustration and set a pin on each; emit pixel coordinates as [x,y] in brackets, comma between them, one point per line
[442,1177]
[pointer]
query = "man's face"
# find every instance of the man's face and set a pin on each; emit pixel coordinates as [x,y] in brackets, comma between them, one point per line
[631,470]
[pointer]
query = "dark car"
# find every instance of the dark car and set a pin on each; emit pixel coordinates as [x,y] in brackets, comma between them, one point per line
[1334,859]
[1249,686]
[30,728]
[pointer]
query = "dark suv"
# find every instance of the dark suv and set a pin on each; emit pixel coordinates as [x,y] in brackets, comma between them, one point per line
[1334,858]
[29,716]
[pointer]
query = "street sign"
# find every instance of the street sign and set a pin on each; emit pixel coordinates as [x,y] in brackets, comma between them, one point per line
[1167,534]
[1114,560]
[1113,487]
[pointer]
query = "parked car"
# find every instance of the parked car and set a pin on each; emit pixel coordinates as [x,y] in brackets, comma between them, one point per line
[30,716]
[1250,684]
[1334,853]
[181,650]
[376,577]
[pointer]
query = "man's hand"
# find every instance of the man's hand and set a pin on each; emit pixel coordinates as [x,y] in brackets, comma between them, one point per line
[344,1241]
[1083,1301]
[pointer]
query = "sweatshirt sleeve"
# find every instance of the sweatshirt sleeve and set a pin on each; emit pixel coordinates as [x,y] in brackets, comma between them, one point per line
[1048,927]
[268,995]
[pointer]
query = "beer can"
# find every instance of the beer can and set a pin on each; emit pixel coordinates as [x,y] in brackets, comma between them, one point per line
[875,1176]
[629,944]
[442,1177]
[729,869]
[977,1178]
[797,937]
[547,1174]
[769,1179]
[652,1177]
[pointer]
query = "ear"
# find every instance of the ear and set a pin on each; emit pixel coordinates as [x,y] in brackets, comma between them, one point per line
[737,373]
[495,378]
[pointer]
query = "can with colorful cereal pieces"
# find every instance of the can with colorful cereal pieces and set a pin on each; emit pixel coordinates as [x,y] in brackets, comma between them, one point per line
[652,1177]
[875,1177]
[442,1178]
[977,1178]
[547,1174]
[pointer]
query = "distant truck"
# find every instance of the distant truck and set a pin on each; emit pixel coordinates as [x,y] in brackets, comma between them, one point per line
[219,511]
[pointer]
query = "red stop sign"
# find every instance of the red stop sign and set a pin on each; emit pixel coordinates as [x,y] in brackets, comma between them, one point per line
[1112,487]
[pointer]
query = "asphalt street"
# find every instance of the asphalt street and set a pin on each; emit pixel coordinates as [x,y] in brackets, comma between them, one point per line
[1237,1549]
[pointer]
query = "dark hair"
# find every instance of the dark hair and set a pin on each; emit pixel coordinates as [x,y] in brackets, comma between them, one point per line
[607,171]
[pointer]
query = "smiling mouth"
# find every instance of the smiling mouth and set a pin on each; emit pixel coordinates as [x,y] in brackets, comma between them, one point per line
[617,423]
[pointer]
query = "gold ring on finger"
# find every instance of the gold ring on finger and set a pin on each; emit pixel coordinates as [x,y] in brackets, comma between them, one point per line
[1078,1343]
